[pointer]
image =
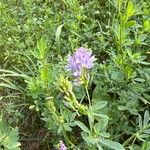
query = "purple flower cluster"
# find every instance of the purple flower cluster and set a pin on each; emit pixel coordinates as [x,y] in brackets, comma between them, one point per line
[62,146]
[81,59]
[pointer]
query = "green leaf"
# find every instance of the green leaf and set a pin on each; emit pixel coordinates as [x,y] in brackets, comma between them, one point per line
[134,147]
[8,136]
[11,141]
[129,23]
[139,79]
[67,127]
[46,74]
[42,49]
[101,115]
[146,145]
[91,120]
[143,136]
[4,129]
[130,9]
[111,144]
[99,94]
[59,129]
[140,121]
[131,148]
[116,74]
[98,106]
[99,147]
[146,118]
[11,86]
[89,139]
[101,125]
[145,63]
[79,92]
[82,126]
[147,131]
[57,37]
[105,135]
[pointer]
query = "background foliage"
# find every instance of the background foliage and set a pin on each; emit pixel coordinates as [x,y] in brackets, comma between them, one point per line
[35,38]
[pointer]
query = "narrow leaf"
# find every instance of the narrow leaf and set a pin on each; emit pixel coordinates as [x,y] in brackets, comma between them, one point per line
[82,126]
[140,121]
[146,118]
[99,147]
[57,37]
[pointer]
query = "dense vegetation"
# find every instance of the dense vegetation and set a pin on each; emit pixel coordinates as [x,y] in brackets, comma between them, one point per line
[100,103]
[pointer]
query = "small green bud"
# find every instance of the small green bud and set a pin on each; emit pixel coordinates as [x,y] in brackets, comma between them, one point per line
[61,119]
[50,105]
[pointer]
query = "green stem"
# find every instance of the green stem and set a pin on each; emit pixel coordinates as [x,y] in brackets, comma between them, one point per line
[68,142]
[120,28]
[65,136]
[129,140]
[88,96]
[133,140]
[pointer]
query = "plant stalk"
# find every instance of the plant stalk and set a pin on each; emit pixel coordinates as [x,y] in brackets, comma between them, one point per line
[128,140]
[88,96]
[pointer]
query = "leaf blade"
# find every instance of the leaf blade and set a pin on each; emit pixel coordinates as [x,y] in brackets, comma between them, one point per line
[82,126]
[111,144]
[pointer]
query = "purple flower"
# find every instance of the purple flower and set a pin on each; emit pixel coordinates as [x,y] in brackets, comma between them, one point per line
[62,146]
[81,59]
